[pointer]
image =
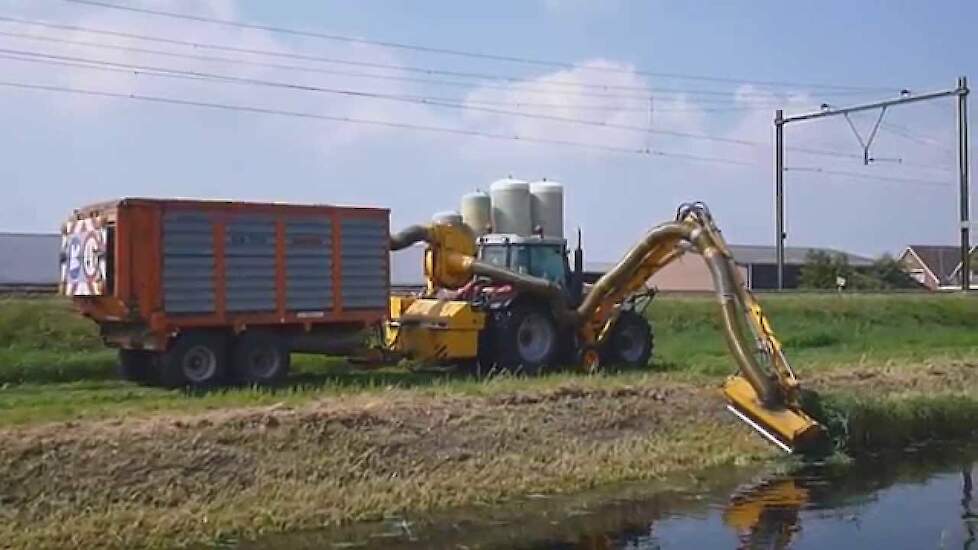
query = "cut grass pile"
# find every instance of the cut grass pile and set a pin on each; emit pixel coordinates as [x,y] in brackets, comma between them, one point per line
[240,473]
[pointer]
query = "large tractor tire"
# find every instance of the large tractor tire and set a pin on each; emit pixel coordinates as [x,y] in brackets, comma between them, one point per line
[630,342]
[260,358]
[197,359]
[524,339]
[137,365]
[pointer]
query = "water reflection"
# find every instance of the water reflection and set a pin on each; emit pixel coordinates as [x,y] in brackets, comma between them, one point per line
[766,514]
[918,499]
[969,517]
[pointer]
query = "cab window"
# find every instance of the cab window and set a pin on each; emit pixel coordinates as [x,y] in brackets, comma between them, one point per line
[494,255]
[547,262]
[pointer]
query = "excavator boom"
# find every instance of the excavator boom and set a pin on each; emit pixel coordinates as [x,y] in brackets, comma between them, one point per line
[764,393]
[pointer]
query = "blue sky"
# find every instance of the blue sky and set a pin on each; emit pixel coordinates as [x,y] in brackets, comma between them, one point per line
[62,151]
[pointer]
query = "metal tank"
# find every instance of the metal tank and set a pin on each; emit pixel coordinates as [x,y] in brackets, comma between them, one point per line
[547,207]
[477,212]
[511,207]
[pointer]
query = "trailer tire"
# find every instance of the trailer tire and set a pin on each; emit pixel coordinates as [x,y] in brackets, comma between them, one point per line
[196,359]
[260,358]
[526,339]
[630,342]
[136,365]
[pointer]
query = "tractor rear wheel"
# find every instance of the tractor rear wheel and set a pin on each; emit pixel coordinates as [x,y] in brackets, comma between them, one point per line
[525,339]
[630,342]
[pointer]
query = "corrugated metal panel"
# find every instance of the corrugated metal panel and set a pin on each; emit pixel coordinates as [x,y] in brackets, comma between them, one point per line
[309,264]
[364,267]
[188,263]
[249,264]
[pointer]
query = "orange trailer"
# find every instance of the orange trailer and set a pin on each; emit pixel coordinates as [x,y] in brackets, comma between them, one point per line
[198,292]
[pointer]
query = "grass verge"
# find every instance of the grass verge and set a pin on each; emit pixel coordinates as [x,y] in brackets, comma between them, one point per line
[88,461]
[243,472]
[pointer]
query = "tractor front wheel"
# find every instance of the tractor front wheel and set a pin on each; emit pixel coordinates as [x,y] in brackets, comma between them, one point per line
[630,342]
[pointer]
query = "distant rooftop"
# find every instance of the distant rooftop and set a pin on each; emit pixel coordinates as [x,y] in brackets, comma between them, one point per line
[793,255]
[943,261]
[29,258]
[754,254]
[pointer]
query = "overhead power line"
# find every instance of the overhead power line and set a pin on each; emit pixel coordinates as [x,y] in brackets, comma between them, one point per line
[443,82]
[560,87]
[165,72]
[97,64]
[372,122]
[830,172]
[458,53]
[437,129]
[909,134]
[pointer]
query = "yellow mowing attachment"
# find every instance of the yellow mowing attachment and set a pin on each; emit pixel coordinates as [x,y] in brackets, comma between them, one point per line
[789,428]
[765,393]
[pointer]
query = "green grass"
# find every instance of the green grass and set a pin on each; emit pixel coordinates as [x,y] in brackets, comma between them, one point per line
[823,331]
[861,423]
[54,367]
[391,440]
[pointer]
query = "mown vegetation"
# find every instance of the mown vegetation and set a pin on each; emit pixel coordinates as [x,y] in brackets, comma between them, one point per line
[87,460]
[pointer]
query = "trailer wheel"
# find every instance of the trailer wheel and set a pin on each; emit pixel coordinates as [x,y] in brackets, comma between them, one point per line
[136,365]
[526,339]
[195,359]
[630,342]
[260,358]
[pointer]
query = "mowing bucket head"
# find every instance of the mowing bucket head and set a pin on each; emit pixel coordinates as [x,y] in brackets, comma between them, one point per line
[787,427]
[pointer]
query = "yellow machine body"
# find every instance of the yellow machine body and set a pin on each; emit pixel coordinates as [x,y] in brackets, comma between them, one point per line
[789,428]
[433,330]
[764,393]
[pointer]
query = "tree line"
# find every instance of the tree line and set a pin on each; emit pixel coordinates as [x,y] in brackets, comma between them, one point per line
[823,270]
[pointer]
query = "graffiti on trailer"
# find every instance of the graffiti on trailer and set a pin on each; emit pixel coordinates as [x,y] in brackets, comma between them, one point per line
[83,251]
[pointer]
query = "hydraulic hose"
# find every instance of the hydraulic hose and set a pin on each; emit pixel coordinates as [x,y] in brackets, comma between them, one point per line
[625,269]
[545,288]
[693,229]
[408,236]
[722,270]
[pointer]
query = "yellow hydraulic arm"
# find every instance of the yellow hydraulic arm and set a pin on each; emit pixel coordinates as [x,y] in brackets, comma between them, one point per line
[765,393]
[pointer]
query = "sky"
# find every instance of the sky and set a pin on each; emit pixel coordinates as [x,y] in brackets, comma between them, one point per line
[605,60]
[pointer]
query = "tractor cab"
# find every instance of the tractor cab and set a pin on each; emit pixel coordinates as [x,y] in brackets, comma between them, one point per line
[544,257]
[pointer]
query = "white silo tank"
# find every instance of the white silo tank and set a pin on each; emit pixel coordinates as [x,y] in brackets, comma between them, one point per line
[547,207]
[477,212]
[448,217]
[511,206]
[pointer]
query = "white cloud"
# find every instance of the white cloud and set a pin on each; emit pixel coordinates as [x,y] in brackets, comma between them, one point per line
[70,150]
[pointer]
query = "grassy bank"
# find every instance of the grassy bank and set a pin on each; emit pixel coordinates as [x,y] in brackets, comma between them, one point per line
[54,367]
[42,340]
[242,472]
[86,460]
